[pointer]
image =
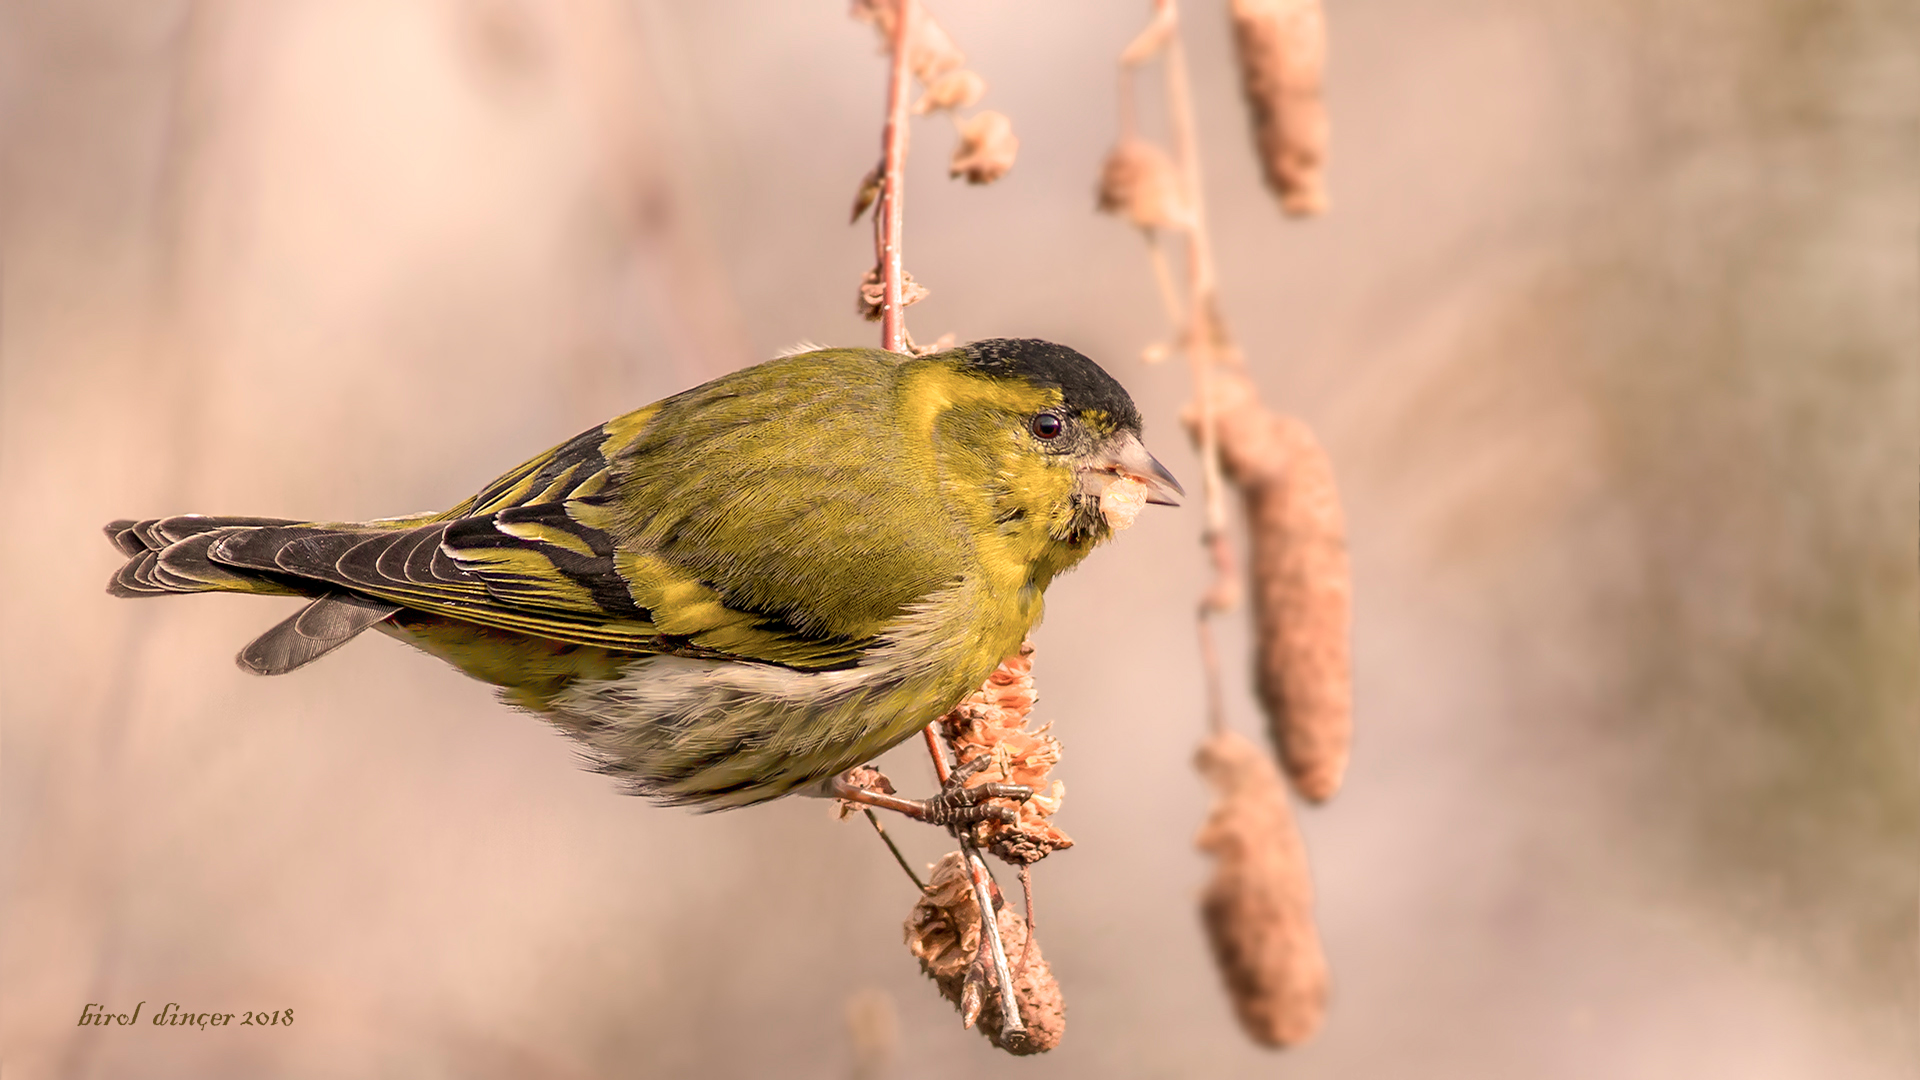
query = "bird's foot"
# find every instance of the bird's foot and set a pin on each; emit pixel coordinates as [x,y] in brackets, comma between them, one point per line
[957,803]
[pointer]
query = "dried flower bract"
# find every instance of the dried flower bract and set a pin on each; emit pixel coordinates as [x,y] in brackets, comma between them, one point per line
[991,724]
[944,933]
[1138,182]
[867,778]
[987,148]
[873,294]
[944,343]
[1258,908]
[954,90]
[930,51]
[869,191]
[1282,48]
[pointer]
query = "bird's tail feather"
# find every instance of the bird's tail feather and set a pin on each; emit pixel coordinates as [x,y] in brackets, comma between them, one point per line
[312,632]
[170,555]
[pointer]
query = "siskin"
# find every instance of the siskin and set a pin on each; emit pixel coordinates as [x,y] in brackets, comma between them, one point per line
[736,593]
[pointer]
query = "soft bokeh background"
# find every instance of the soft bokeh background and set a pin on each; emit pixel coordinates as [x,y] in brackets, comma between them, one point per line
[1612,334]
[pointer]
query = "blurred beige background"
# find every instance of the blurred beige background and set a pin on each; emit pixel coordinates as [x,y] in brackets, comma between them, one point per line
[1612,335]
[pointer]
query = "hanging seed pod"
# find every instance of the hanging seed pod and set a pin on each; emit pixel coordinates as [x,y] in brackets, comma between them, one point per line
[1282,48]
[987,148]
[1258,908]
[943,932]
[1302,606]
[1302,583]
[954,90]
[1138,182]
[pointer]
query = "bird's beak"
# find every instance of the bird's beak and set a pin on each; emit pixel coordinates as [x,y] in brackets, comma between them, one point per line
[1124,455]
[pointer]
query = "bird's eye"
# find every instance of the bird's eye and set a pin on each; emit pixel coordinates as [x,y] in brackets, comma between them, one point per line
[1046,426]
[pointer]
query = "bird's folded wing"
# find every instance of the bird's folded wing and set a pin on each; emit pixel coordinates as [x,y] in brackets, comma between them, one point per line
[576,469]
[552,570]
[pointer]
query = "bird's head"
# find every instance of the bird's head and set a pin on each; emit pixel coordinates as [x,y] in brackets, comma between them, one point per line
[1071,431]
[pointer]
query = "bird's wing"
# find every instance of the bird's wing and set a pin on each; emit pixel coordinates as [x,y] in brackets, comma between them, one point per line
[576,469]
[547,569]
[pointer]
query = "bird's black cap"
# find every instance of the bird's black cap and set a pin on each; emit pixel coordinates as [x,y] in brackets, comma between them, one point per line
[1085,385]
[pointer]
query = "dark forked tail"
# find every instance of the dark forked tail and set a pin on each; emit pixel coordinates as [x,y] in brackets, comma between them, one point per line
[170,555]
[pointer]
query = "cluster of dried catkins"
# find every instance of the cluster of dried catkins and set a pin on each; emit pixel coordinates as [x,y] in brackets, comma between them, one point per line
[1258,909]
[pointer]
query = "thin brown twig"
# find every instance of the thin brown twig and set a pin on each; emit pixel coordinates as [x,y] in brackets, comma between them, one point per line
[1012,1028]
[889,215]
[895,848]
[1186,154]
[936,748]
[1203,336]
[1163,278]
[1210,668]
[1203,331]
[1026,898]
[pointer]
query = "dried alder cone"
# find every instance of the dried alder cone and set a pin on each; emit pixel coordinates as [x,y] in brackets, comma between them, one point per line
[1282,48]
[1258,908]
[944,933]
[1302,584]
[992,724]
[1138,182]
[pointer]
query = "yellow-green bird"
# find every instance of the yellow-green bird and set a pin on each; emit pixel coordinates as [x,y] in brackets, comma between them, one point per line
[736,593]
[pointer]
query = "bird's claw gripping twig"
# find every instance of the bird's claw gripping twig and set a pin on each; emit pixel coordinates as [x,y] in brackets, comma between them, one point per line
[963,805]
[966,770]
[957,803]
